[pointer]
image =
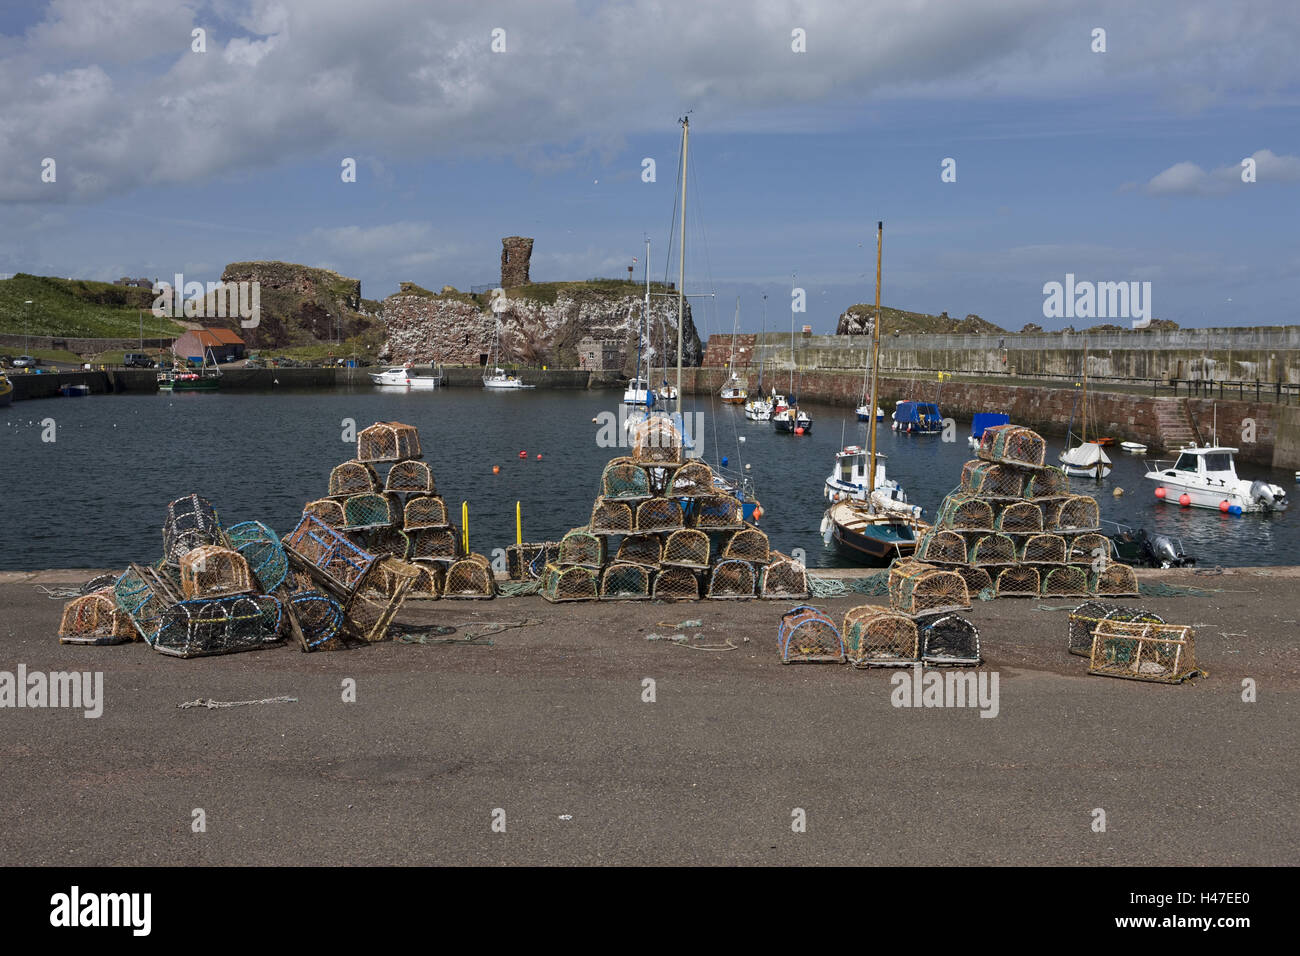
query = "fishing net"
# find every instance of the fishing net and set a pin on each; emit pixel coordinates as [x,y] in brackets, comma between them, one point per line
[227,625]
[390,541]
[993,549]
[950,640]
[581,547]
[1087,548]
[748,544]
[363,512]
[320,618]
[676,584]
[610,517]
[718,512]
[687,548]
[143,594]
[643,549]
[624,480]
[657,441]
[424,511]
[1115,580]
[95,619]
[784,578]
[917,588]
[1068,581]
[1022,517]
[261,548]
[353,478]
[1165,653]
[1048,482]
[988,479]
[191,522]
[410,477]
[732,578]
[625,582]
[693,480]
[875,636]
[528,561]
[1019,581]
[388,441]
[470,577]
[943,547]
[330,553]
[574,583]
[1012,444]
[659,514]
[1085,618]
[965,513]
[211,571]
[807,635]
[327,510]
[436,544]
[1075,513]
[1044,549]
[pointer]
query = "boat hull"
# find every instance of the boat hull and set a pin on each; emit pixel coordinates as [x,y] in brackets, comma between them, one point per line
[873,545]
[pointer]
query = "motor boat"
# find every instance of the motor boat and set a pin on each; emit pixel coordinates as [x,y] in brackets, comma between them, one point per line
[983,420]
[864,413]
[792,420]
[403,376]
[1133,447]
[848,482]
[500,381]
[1137,548]
[1206,477]
[917,418]
[638,392]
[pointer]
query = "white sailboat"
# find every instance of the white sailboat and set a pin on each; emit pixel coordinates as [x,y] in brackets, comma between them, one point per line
[735,390]
[1085,460]
[499,379]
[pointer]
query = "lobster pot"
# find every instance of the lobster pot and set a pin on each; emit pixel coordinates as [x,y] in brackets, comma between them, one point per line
[916,588]
[1075,513]
[1013,445]
[528,561]
[784,578]
[95,619]
[327,511]
[140,595]
[1165,653]
[732,579]
[950,640]
[624,480]
[385,541]
[327,550]
[657,441]
[410,478]
[320,618]
[978,580]
[610,517]
[191,522]
[1022,517]
[1019,581]
[261,548]
[643,549]
[211,571]
[353,478]
[993,549]
[367,616]
[582,548]
[1048,482]
[428,583]
[676,584]
[659,514]
[424,511]
[1067,581]
[622,581]
[363,512]
[687,548]
[693,480]
[390,576]
[574,583]
[1087,548]
[436,544]
[1115,580]
[749,544]
[1043,549]
[225,625]
[718,513]
[943,547]
[875,636]
[469,578]
[988,479]
[807,636]
[1085,618]
[388,441]
[965,513]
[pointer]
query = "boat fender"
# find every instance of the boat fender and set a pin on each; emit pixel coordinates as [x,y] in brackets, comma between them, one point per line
[1161,492]
[1185,499]
[1224,506]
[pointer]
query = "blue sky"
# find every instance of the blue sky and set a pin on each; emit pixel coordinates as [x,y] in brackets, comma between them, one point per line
[1113,166]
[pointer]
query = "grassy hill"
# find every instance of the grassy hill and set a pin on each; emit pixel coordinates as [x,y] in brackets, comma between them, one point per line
[857,317]
[78,308]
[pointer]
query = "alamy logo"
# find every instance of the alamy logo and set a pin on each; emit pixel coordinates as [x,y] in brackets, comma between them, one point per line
[78,690]
[75,908]
[216,300]
[1098,300]
[950,689]
[619,430]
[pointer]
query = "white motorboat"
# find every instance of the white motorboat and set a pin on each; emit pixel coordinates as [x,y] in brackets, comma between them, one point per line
[638,392]
[500,381]
[848,482]
[403,376]
[1207,478]
[1133,447]
[864,413]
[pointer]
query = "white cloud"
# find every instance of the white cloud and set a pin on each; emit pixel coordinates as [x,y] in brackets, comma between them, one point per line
[1189,179]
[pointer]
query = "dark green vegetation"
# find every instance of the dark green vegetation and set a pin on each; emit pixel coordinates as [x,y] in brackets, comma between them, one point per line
[78,308]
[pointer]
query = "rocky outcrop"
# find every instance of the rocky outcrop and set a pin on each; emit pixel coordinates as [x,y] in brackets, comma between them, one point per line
[301,305]
[859,319]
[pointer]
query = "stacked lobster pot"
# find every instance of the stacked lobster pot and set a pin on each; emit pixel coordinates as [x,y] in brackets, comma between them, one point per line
[665,527]
[1014,529]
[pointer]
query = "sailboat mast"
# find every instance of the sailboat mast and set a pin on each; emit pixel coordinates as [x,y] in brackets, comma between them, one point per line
[1085,395]
[875,359]
[681,260]
[645,312]
[790,391]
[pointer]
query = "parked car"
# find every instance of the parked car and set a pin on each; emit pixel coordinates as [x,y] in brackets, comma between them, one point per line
[137,360]
[26,361]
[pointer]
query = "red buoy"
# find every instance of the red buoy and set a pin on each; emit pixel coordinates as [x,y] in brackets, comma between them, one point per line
[1184,499]
[1223,506]
[539,456]
[523,454]
[496,469]
[1161,492]
[798,430]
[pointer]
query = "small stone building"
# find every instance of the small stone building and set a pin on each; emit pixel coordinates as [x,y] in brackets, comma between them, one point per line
[600,355]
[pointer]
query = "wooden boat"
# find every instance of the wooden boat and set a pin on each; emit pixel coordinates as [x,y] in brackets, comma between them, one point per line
[861,531]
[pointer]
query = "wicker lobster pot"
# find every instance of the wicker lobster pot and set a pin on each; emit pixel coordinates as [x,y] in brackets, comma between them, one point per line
[353,478]
[693,480]
[965,513]
[326,549]
[1048,482]
[643,549]
[574,583]
[942,547]
[391,576]
[783,579]
[659,515]
[1019,581]
[1086,548]
[1012,444]
[978,580]
[211,571]
[261,548]
[688,548]
[917,588]
[657,441]
[327,511]
[96,619]
[1114,580]
[528,561]
[1085,618]
[385,541]
[1021,517]
[411,478]
[1075,513]
[732,579]
[388,441]
[1165,653]
[141,595]
[993,550]
[424,511]
[582,548]
[748,544]
[610,517]
[1043,549]
[191,522]
[718,513]
[1065,581]
[428,582]
[226,625]
[623,581]
[676,584]
[950,640]
[470,577]
[624,480]
[436,544]
[320,618]
[875,636]
[374,510]
[808,636]
[987,479]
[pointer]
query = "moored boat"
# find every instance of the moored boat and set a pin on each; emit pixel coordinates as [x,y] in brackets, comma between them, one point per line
[1206,477]
[6,390]
[404,376]
[917,418]
[864,413]
[983,420]
[862,532]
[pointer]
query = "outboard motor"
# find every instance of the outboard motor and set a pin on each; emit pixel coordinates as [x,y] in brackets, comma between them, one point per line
[1164,553]
[1270,496]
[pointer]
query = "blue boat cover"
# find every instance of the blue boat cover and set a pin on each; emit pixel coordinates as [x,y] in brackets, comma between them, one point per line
[983,420]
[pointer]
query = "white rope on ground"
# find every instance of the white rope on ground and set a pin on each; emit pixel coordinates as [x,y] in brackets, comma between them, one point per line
[211,704]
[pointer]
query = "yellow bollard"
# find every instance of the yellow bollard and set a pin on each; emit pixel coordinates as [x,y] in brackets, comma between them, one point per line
[519,525]
[464,525]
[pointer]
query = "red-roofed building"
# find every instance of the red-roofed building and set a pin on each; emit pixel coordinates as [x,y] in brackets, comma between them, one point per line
[221,345]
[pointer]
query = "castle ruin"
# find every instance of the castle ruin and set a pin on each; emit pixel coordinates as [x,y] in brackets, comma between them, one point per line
[515,253]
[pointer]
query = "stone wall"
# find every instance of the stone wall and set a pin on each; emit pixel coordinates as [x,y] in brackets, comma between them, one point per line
[515,254]
[16,343]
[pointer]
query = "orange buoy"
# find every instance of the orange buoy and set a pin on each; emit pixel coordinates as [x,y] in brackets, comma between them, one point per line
[496,469]
[1224,506]
[798,430]
[1161,492]
[758,512]
[1184,499]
